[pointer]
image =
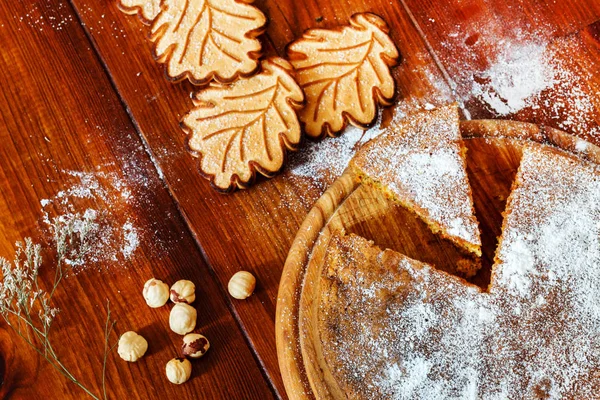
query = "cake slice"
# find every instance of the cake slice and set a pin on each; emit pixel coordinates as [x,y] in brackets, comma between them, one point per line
[420,164]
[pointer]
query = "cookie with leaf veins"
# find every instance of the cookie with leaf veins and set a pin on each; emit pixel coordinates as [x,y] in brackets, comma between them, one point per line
[208,39]
[345,74]
[203,40]
[240,129]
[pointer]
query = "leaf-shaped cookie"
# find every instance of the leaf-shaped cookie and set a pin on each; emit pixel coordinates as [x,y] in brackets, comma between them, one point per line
[147,9]
[205,39]
[245,127]
[344,73]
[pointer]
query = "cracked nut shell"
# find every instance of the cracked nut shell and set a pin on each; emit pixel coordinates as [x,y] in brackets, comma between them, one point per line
[194,345]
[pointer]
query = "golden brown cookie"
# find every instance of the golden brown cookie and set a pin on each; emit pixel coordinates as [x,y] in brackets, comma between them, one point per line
[245,127]
[344,73]
[205,39]
[146,9]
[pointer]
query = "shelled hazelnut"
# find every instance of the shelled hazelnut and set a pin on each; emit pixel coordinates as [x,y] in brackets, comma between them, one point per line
[132,346]
[241,285]
[156,293]
[182,319]
[178,370]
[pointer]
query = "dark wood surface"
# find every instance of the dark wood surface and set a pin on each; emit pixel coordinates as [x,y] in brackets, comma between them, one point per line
[80,92]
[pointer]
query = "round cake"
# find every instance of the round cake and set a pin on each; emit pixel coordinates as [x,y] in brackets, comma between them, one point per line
[392,327]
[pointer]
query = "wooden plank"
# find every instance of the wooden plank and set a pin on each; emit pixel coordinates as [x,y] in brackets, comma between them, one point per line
[67,140]
[253,229]
[529,61]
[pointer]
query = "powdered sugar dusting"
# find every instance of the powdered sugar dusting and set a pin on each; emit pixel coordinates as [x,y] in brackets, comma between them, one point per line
[520,72]
[89,203]
[533,75]
[519,268]
[131,240]
[524,71]
[426,334]
[326,160]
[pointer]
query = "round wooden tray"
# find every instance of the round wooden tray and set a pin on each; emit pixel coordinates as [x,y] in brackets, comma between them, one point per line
[494,152]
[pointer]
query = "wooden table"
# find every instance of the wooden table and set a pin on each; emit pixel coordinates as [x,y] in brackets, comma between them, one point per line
[83,106]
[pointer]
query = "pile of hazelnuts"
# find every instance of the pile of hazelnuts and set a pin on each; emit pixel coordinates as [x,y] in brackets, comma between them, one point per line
[182,320]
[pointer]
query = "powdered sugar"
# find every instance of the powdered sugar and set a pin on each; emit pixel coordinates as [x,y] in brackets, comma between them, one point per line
[519,268]
[88,204]
[325,160]
[524,72]
[131,240]
[406,379]
[520,72]
[532,75]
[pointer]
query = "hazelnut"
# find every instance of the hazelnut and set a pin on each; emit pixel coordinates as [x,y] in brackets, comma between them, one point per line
[179,370]
[156,293]
[183,318]
[132,346]
[183,292]
[241,285]
[195,345]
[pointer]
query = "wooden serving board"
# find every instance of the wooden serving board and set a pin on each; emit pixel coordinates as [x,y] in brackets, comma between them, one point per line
[493,157]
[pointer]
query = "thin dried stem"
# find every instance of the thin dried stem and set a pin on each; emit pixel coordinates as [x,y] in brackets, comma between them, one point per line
[22,299]
[108,329]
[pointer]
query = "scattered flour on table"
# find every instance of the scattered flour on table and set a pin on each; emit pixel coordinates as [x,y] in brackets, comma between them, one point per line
[325,160]
[89,205]
[520,72]
[531,73]
[131,240]
[59,16]
[520,78]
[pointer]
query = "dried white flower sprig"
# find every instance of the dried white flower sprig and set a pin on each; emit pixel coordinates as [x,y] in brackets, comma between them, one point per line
[27,308]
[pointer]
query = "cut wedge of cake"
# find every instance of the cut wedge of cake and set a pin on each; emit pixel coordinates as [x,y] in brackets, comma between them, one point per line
[420,164]
[392,327]
[363,293]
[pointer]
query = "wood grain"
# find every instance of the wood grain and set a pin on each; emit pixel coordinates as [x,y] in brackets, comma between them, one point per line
[60,117]
[493,157]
